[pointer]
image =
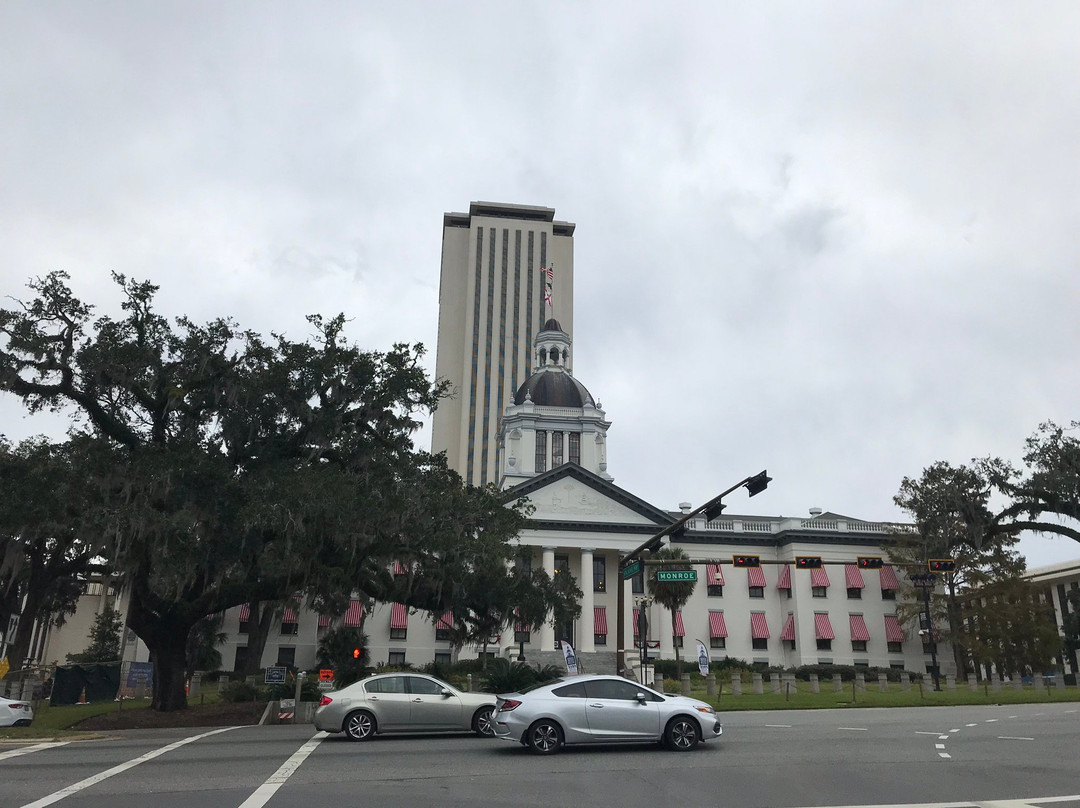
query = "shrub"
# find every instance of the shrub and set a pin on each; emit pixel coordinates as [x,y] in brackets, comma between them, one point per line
[241,691]
[504,676]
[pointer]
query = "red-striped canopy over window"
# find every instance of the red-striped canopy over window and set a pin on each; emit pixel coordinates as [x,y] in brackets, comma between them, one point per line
[819,577]
[245,613]
[399,616]
[822,626]
[288,616]
[759,626]
[785,578]
[888,578]
[714,575]
[400,568]
[679,630]
[789,628]
[637,618]
[755,576]
[853,577]
[717,627]
[599,619]
[324,621]
[354,615]
[446,621]
[859,632]
[893,631]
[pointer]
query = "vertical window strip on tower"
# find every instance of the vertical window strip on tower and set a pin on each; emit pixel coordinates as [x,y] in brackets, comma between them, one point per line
[469,452]
[575,448]
[543,281]
[500,388]
[541,451]
[486,432]
[515,378]
[529,318]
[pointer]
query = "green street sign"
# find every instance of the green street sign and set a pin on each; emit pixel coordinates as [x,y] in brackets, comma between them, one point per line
[676,575]
[631,569]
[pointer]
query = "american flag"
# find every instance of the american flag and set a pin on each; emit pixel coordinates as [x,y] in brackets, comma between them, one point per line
[549,271]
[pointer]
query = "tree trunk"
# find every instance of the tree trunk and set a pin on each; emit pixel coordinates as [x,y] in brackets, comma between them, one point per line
[258,632]
[675,645]
[165,635]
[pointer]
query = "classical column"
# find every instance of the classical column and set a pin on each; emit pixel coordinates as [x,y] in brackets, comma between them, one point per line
[586,638]
[661,621]
[547,631]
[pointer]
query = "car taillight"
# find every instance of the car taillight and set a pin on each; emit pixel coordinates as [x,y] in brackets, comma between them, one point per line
[508,705]
[324,701]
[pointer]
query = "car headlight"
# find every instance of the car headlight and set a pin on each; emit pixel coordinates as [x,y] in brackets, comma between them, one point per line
[708,710]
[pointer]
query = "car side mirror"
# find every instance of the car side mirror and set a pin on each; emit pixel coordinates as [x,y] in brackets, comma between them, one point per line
[641,697]
[445,692]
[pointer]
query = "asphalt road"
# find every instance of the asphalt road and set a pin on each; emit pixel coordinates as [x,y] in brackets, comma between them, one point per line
[1026,755]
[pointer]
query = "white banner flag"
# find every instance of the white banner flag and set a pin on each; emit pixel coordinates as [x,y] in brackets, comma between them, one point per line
[702,658]
[570,657]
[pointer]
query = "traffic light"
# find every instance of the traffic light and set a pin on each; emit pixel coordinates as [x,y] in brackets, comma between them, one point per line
[714,511]
[356,653]
[870,562]
[808,562]
[941,565]
[746,561]
[758,483]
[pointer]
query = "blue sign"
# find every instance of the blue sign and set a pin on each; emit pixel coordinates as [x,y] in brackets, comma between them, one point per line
[275,675]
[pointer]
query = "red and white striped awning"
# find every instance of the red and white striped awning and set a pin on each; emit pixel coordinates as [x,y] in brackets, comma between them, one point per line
[755,576]
[759,626]
[245,612]
[789,628]
[785,578]
[680,631]
[399,616]
[288,616]
[853,577]
[717,627]
[819,577]
[637,618]
[447,620]
[324,621]
[400,568]
[859,631]
[714,575]
[822,626]
[599,620]
[893,631]
[354,615]
[888,578]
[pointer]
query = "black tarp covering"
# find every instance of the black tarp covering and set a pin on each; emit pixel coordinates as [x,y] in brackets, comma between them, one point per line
[100,682]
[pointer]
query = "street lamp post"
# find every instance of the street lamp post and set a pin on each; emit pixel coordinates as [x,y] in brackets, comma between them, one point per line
[754,485]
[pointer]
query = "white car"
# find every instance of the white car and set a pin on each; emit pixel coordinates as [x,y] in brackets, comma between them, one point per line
[15,713]
[601,709]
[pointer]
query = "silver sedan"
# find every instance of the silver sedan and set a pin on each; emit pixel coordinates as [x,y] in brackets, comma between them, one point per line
[602,709]
[403,702]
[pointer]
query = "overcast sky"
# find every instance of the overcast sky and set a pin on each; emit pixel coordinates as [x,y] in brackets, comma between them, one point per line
[838,241]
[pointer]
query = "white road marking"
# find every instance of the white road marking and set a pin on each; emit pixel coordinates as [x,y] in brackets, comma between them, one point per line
[1013,738]
[1014,716]
[923,732]
[943,737]
[955,730]
[939,746]
[991,720]
[785,726]
[264,792]
[969,725]
[25,750]
[1024,803]
[56,796]
[854,729]
[945,755]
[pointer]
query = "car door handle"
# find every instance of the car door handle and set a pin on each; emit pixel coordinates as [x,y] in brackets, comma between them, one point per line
[373,698]
[417,700]
[598,706]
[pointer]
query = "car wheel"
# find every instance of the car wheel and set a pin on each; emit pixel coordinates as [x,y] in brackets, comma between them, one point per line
[681,734]
[481,722]
[359,726]
[545,737]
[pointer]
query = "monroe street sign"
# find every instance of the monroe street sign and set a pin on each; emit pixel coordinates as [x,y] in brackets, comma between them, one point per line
[676,575]
[632,569]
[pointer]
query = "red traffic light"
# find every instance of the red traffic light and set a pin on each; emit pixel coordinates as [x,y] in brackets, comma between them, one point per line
[356,653]
[746,561]
[808,562]
[941,565]
[870,562]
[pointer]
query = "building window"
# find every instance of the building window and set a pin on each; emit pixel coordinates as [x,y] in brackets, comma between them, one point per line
[599,574]
[442,634]
[819,591]
[286,656]
[677,641]
[760,644]
[541,451]
[637,585]
[443,658]
[241,657]
[896,648]
[888,594]
[562,563]
[718,642]
[787,593]
[521,636]
[399,633]
[861,664]
[245,627]
[600,639]
[824,645]
[395,658]
[854,593]
[524,563]
[290,628]
[556,449]
[757,591]
[575,447]
[716,591]
[858,645]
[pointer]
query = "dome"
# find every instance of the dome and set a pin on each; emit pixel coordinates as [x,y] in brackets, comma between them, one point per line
[552,325]
[554,388]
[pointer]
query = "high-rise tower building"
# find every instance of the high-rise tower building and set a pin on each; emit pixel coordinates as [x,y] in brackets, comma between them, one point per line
[506,270]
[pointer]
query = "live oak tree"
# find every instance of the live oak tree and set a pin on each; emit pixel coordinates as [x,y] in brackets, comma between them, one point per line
[227,468]
[672,595]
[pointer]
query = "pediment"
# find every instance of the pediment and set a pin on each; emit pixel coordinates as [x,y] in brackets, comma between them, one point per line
[573,500]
